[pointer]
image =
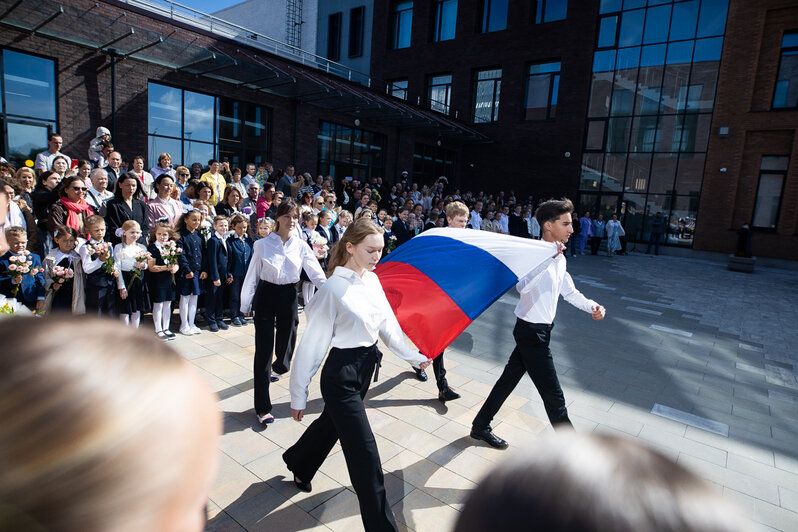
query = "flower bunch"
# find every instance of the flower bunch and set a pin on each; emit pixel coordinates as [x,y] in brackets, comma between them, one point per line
[318,243]
[170,254]
[60,275]
[140,264]
[20,265]
[392,241]
[7,309]
[103,249]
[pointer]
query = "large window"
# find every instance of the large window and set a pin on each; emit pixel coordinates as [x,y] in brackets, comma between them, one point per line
[493,15]
[401,24]
[194,127]
[772,174]
[431,162]
[356,16]
[786,95]
[397,88]
[487,88]
[347,151]
[542,86]
[444,19]
[439,92]
[334,37]
[28,106]
[549,10]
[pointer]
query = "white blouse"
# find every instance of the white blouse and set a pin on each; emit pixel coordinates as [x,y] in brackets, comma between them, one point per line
[125,259]
[279,263]
[348,311]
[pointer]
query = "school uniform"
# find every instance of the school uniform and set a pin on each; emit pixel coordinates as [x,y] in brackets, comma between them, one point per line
[239,255]
[349,313]
[270,290]
[119,212]
[190,261]
[125,259]
[100,286]
[160,284]
[216,260]
[30,289]
[70,297]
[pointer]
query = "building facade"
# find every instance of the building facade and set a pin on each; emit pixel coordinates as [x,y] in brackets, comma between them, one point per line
[345,32]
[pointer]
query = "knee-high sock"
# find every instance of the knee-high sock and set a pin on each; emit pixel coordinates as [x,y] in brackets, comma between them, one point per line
[157,318]
[192,309]
[125,318]
[167,315]
[184,319]
[135,319]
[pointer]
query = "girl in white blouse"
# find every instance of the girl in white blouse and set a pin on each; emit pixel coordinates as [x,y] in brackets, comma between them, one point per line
[270,290]
[131,291]
[348,314]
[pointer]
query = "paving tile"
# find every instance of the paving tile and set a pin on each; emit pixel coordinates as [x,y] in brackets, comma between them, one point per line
[422,512]
[726,477]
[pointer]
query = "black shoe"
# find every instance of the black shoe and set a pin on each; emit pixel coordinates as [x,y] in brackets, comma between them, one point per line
[279,369]
[421,374]
[488,436]
[447,394]
[302,486]
[222,325]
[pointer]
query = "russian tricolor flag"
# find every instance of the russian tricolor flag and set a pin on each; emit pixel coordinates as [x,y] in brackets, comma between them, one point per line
[440,281]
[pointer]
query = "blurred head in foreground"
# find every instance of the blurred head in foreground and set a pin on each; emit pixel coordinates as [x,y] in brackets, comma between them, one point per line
[582,483]
[104,428]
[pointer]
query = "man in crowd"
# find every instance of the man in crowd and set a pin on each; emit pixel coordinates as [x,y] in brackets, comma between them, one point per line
[114,168]
[98,194]
[45,158]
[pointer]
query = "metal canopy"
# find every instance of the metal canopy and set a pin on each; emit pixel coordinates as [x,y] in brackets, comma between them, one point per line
[252,69]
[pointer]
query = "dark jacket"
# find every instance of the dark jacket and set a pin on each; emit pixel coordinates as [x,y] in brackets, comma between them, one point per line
[216,259]
[119,212]
[32,286]
[517,226]
[401,231]
[191,258]
[239,253]
[42,199]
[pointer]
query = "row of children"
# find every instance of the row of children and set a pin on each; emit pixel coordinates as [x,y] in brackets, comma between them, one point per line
[91,276]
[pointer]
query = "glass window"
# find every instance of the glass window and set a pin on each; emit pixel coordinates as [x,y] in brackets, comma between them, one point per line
[25,140]
[614,171]
[621,102]
[198,152]
[633,4]
[644,129]
[712,19]
[230,120]
[256,130]
[769,191]
[631,28]
[493,15]
[487,87]
[656,25]
[401,23]
[683,23]
[786,94]
[610,6]
[690,173]
[708,49]
[346,151]
[590,176]
[608,27]
[550,10]
[165,110]
[29,85]
[542,87]
[334,37]
[430,162]
[356,31]
[159,145]
[198,116]
[397,88]
[439,92]
[663,173]
[595,135]
[444,20]
[618,134]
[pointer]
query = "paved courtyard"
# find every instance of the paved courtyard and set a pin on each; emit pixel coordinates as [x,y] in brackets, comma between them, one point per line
[712,352]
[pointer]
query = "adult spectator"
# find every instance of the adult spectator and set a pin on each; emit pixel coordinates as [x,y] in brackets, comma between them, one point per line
[60,165]
[196,170]
[216,180]
[114,169]
[476,216]
[250,201]
[145,177]
[517,224]
[45,158]
[164,166]
[43,196]
[365,198]
[127,205]
[307,185]
[657,226]
[106,147]
[26,178]
[285,182]
[164,207]
[230,202]
[91,468]
[504,220]
[598,233]
[84,171]
[265,200]
[71,209]
[98,194]
[18,212]
[249,177]
[182,174]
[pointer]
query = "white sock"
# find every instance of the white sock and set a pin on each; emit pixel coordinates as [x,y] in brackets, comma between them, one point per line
[125,318]
[307,292]
[184,321]
[135,319]
[167,315]
[192,309]
[157,311]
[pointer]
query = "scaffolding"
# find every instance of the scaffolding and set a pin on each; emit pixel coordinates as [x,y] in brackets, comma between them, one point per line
[293,23]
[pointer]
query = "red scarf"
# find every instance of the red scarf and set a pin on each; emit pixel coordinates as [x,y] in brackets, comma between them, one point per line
[74,210]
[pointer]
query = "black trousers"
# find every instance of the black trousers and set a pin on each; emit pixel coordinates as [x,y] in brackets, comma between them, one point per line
[533,356]
[235,296]
[275,316]
[440,372]
[214,302]
[345,379]
[595,244]
[101,298]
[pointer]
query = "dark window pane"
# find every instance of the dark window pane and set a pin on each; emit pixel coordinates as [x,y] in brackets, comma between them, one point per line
[397,88]
[486,95]
[600,90]
[494,15]
[618,134]
[552,10]
[644,129]
[629,58]
[685,15]
[680,52]
[633,4]
[198,152]
[653,55]
[229,120]
[631,28]
[656,24]
[638,172]
[356,32]
[614,171]
[198,115]
[663,172]
[402,20]
[444,19]
[790,40]
[334,37]
[439,93]
[690,173]
[610,6]
[708,49]
[775,162]
[29,84]
[595,135]
[665,132]
[173,147]
[25,141]
[537,97]
[786,94]
[674,88]
[165,116]
[256,129]
[768,200]
[712,20]
[621,102]
[604,61]
[591,171]
[607,30]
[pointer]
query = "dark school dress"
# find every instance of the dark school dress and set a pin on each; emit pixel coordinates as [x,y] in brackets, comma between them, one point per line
[160,283]
[62,298]
[189,261]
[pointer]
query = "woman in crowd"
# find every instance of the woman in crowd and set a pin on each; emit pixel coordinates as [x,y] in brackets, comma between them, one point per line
[349,313]
[60,164]
[127,205]
[71,209]
[163,206]
[43,196]
[84,171]
[614,233]
[164,166]
[145,178]
[27,180]
[203,192]
[230,202]
[306,202]
[270,290]
[182,175]
[119,451]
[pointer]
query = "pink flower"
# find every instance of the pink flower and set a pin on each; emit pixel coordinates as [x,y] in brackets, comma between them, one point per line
[12,267]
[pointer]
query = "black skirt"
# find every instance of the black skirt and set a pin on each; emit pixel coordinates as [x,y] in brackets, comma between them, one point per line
[135,296]
[161,286]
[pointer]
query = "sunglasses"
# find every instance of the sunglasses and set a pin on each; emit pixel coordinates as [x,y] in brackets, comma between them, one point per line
[183,175]
[79,189]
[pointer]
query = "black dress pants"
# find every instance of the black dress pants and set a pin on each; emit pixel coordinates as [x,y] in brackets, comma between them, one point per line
[533,356]
[275,308]
[595,243]
[440,372]
[345,379]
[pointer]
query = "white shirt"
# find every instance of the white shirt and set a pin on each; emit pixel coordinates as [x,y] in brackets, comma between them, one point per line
[348,311]
[279,263]
[89,265]
[223,238]
[125,259]
[505,224]
[476,220]
[541,288]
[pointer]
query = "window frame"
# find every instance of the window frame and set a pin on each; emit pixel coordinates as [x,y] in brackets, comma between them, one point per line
[495,100]
[391,89]
[437,20]
[334,37]
[448,103]
[558,74]
[483,18]
[783,174]
[395,19]
[782,50]
[356,39]
[537,11]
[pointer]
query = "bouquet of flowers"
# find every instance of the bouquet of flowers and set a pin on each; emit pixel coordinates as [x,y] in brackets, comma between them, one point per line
[100,249]
[170,254]
[205,231]
[140,261]
[20,265]
[61,275]
[319,244]
[391,243]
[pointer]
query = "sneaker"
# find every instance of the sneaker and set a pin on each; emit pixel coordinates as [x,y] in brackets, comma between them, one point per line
[236,322]
[274,377]
[213,327]
[195,329]
[186,331]
[162,336]
[265,418]
[169,335]
[447,394]
[222,325]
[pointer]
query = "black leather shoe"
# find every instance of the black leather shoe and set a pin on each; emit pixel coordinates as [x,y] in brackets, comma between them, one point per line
[447,394]
[302,486]
[421,374]
[488,436]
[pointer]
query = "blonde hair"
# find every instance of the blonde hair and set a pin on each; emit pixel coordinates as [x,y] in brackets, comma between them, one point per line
[345,216]
[15,232]
[127,225]
[93,222]
[456,208]
[93,438]
[354,235]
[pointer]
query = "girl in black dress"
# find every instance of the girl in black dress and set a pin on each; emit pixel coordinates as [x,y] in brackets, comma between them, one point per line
[161,278]
[64,292]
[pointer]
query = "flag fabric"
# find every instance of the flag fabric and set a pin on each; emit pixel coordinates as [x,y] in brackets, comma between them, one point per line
[440,281]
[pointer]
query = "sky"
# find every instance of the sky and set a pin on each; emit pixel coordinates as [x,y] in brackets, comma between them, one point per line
[208,6]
